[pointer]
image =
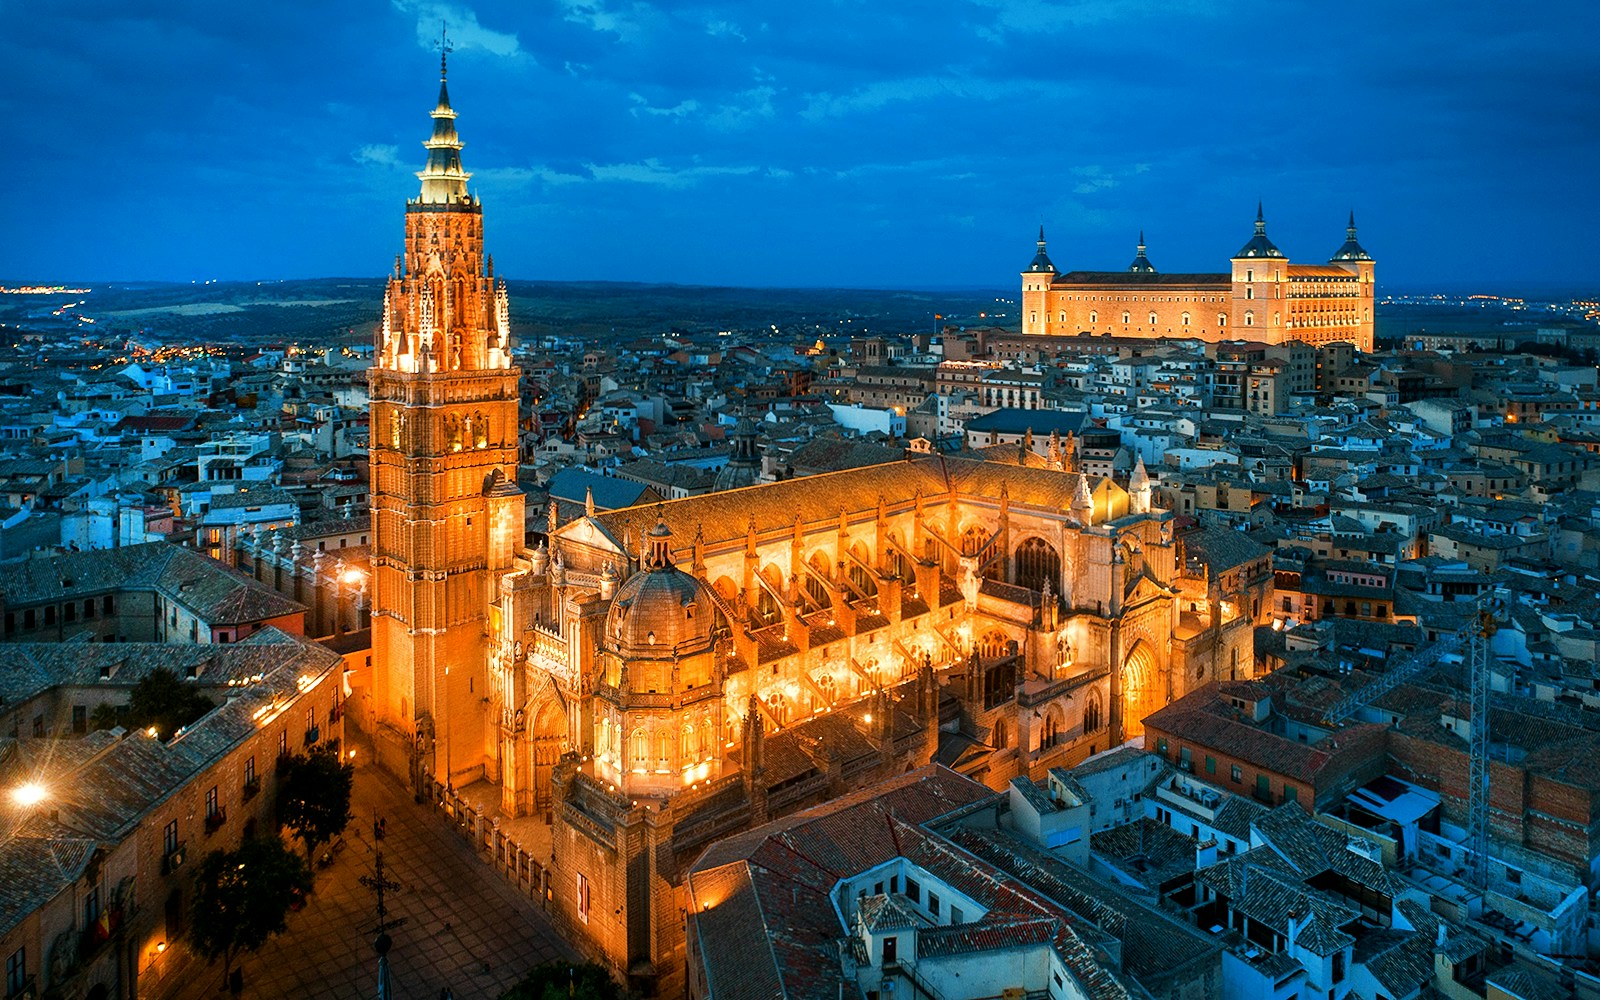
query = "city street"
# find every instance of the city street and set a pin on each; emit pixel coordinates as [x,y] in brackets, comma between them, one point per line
[465,927]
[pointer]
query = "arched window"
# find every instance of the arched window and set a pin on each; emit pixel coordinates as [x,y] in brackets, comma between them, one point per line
[641,750]
[1094,316]
[973,539]
[1222,319]
[664,751]
[480,432]
[1050,732]
[1249,319]
[1152,319]
[1185,319]
[1001,736]
[1091,713]
[1126,317]
[993,646]
[828,688]
[1037,562]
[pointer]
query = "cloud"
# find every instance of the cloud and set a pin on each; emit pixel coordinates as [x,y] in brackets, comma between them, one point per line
[378,155]
[725,29]
[1097,178]
[514,176]
[642,105]
[1046,17]
[749,107]
[873,96]
[652,172]
[463,28]
[626,22]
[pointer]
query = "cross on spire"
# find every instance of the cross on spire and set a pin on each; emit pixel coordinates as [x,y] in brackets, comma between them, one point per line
[380,884]
[445,48]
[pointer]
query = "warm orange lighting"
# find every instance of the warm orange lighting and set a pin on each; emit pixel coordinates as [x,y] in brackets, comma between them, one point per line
[30,794]
[161,946]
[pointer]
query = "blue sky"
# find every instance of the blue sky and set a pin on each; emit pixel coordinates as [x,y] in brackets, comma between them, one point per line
[879,144]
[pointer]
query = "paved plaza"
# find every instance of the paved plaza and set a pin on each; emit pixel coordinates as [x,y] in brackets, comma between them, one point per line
[465,928]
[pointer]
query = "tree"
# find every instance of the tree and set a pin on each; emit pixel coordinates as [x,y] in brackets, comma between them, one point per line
[242,898]
[162,701]
[314,796]
[561,980]
[104,716]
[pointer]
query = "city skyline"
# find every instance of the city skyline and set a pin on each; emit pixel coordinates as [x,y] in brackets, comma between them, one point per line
[704,146]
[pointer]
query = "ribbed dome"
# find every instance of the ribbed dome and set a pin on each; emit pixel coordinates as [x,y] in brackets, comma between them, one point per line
[661,611]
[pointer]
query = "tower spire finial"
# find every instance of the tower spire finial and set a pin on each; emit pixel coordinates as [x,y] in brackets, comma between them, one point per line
[444,47]
[1041,234]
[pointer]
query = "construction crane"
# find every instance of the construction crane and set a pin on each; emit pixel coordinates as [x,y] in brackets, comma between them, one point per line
[1475,636]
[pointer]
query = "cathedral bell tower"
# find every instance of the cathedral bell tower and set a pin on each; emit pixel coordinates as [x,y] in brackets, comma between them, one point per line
[446,514]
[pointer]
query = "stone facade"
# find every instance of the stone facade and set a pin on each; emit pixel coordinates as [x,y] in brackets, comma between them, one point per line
[1262,297]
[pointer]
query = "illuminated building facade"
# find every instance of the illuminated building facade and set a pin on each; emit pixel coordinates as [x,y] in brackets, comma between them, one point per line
[655,678]
[1261,297]
[446,511]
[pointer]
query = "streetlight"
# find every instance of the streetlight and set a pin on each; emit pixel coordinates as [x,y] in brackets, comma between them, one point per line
[30,794]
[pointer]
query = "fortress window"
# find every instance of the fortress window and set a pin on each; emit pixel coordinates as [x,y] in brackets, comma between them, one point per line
[1126,317]
[1185,319]
[1094,317]
[1249,293]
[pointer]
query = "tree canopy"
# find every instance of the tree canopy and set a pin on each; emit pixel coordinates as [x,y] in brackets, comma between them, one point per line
[314,796]
[561,980]
[243,896]
[162,701]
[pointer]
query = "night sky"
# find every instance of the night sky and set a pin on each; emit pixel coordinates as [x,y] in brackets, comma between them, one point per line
[878,144]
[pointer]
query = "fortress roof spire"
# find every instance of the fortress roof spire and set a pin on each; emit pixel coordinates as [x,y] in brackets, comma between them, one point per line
[1041,260]
[1141,264]
[1351,250]
[1259,245]
[444,180]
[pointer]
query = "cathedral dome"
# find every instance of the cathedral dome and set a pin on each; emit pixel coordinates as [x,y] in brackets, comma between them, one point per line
[661,611]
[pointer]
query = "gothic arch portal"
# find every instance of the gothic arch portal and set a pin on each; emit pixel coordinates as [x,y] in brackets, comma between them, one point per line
[548,734]
[1141,688]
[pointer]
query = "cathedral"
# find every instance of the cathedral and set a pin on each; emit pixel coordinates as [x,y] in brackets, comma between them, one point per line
[639,683]
[1262,297]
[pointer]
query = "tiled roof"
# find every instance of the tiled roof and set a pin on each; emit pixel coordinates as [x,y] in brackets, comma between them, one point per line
[723,518]
[104,783]
[212,591]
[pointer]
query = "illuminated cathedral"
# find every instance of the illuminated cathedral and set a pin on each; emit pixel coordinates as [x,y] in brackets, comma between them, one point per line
[648,680]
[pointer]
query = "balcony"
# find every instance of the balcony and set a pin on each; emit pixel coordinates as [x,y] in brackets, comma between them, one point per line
[28,989]
[252,788]
[313,735]
[173,859]
[215,820]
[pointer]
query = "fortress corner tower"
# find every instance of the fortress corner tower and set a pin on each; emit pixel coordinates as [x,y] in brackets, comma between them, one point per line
[446,513]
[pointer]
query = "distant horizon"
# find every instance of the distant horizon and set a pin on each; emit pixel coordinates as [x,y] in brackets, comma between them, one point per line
[1504,289]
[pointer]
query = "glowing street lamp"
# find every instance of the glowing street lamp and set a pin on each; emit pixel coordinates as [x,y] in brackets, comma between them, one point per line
[30,794]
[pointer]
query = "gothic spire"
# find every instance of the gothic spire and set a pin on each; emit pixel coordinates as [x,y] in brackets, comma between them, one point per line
[444,181]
